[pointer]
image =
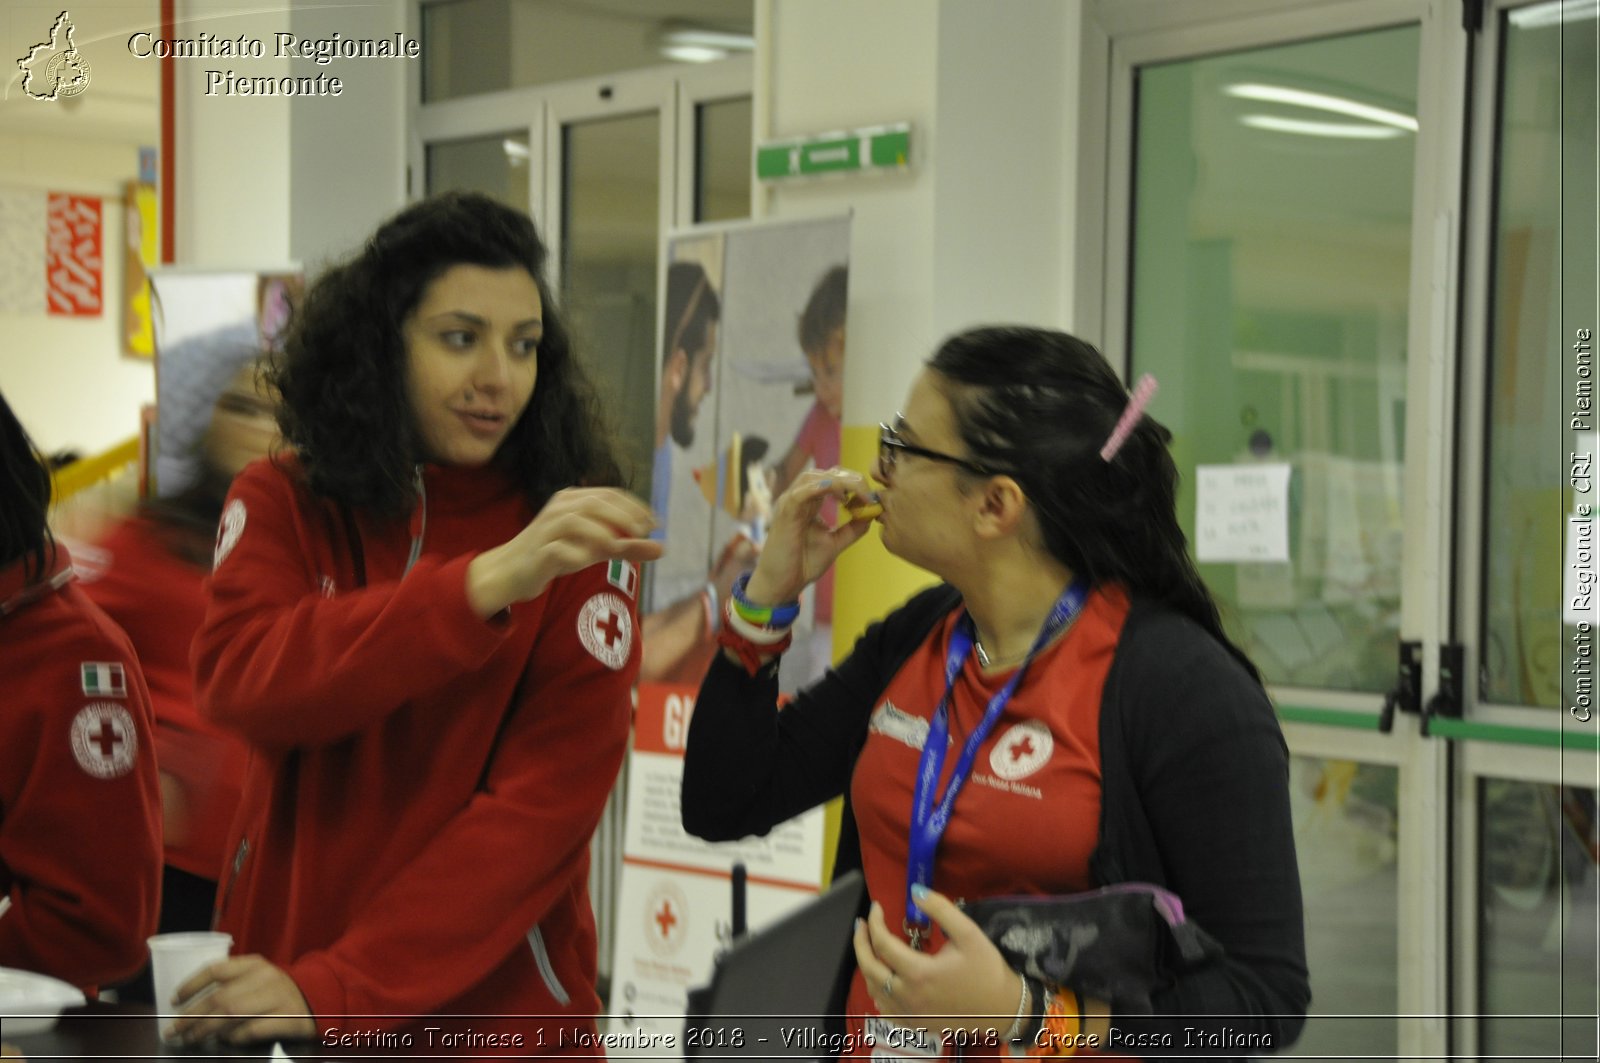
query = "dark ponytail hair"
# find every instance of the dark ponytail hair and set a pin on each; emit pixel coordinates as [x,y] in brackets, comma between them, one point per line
[24,501]
[1038,405]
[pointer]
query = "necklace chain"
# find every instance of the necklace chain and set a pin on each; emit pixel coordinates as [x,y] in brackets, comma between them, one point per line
[988,662]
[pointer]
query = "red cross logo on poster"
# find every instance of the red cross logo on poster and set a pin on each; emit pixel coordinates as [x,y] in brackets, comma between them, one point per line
[666,917]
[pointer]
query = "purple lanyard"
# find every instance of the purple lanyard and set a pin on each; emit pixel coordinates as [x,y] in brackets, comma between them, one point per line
[928,821]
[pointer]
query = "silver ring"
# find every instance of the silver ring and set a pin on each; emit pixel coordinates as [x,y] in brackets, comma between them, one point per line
[888,985]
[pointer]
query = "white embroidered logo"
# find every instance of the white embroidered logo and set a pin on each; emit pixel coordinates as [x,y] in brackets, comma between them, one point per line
[891,721]
[104,740]
[606,630]
[1022,750]
[228,531]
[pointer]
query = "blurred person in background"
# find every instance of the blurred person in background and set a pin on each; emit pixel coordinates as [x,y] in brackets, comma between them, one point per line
[80,819]
[148,574]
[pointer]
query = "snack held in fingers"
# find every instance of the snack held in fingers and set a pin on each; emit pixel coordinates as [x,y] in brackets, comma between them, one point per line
[863,509]
[859,507]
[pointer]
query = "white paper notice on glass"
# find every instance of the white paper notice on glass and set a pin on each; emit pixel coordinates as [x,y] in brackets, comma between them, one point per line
[1242,512]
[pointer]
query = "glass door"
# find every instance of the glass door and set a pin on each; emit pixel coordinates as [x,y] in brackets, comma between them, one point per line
[1284,184]
[609,154]
[492,145]
[1527,832]
[716,119]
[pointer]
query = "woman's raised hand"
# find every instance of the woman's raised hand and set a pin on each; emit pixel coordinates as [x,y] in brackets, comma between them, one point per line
[800,545]
[578,527]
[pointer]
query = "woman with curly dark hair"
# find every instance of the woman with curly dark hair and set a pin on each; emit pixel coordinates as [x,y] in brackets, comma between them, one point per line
[423,624]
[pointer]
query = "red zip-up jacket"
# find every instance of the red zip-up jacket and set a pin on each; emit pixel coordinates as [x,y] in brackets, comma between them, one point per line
[80,810]
[413,841]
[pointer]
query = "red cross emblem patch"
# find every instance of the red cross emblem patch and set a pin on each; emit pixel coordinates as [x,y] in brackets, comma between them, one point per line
[605,627]
[1022,750]
[104,740]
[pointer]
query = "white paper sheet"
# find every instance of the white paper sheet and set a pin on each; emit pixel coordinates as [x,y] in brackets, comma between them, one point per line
[1242,512]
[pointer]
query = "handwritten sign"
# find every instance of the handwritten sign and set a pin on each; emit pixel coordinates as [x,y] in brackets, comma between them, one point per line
[1242,512]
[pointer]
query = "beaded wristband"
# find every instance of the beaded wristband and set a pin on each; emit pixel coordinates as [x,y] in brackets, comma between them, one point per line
[773,616]
[761,636]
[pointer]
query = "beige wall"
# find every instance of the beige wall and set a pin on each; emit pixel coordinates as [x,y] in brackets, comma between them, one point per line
[979,229]
[268,180]
[67,378]
[260,182]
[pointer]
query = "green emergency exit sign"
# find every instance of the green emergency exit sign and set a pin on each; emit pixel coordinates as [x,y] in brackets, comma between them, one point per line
[885,147]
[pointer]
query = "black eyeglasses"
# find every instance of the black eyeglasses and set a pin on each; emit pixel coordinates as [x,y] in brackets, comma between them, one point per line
[890,446]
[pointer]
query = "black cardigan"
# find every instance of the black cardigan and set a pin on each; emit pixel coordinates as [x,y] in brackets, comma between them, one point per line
[1194,775]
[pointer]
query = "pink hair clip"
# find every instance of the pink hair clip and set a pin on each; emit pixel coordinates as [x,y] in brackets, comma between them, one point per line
[1130,416]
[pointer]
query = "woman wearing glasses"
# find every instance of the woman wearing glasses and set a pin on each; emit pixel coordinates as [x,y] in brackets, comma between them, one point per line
[1062,712]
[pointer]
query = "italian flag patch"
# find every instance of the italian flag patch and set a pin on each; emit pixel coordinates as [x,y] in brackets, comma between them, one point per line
[624,575]
[104,680]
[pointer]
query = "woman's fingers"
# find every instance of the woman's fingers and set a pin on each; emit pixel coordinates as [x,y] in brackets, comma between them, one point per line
[811,488]
[638,550]
[877,975]
[899,955]
[957,926]
[582,526]
[625,514]
[234,999]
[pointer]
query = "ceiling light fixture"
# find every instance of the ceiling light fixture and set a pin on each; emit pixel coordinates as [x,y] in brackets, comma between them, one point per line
[1554,13]
[1347,130]
[689,44]
[692,53]
[1322,102]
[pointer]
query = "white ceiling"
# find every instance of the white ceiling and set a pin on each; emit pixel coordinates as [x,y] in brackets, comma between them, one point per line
[122,105]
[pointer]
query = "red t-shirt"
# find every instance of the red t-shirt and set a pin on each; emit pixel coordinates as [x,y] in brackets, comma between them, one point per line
[1028,817]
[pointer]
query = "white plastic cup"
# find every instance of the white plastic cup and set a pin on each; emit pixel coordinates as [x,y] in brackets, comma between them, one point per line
[175,958]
